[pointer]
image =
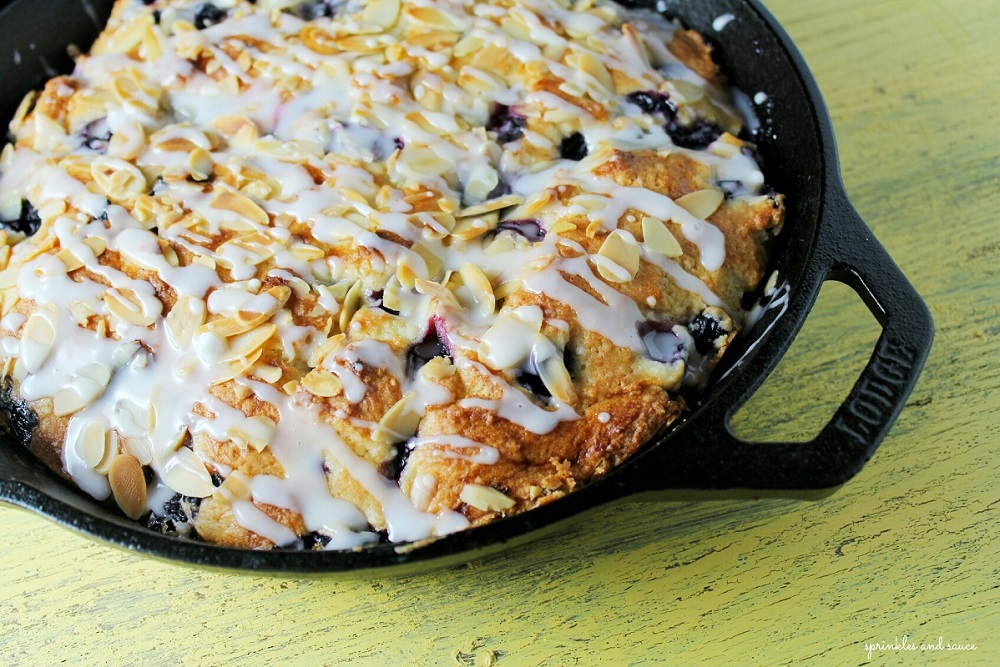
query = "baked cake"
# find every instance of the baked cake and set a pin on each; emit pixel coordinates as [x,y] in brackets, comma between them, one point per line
[320,274]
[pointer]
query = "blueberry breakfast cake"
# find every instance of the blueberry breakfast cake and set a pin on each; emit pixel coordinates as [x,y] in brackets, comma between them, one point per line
[327,273]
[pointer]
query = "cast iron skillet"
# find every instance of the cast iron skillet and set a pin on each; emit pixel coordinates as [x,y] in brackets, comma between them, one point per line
[824,239]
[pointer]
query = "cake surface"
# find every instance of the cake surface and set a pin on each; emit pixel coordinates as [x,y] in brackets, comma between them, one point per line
[322,274]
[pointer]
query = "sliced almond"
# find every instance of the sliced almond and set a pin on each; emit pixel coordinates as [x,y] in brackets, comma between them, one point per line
[91,444]
[352,302]
[399,423]
[556,379]
[242,206]
[255,432]
[485,498]
[436,18]
[489,206]
[508,343]
[382,13]
[135,308]
[37,340]
[184,319]
[622,253]
[186,474]
[235,487]
[128,485]
[591,66]
[659,239]
[438,368]
[480,288]
[322,383]
[245,344]
[701,203]
[318,40]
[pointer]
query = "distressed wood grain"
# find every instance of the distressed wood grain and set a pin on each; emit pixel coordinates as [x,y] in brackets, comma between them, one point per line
[906,548]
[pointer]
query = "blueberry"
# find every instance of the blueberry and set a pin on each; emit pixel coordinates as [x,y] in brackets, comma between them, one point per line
[208,15]
[159,523]
[529,228]
[661,343]
[375,301]
[533,383]
[502,188]
[27,222]
[653,102]
[698,134]
[19,421]
[393,468]
[173,509]
[706,330]
[508,125]
[434,344]
[573,147]
[529,378]
[308,11]
[730,187]
[315,540]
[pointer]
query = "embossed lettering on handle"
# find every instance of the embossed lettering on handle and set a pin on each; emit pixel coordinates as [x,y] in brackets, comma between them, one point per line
[879,391]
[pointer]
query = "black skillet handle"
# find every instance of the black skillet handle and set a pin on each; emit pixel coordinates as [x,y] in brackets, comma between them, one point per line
[704,454]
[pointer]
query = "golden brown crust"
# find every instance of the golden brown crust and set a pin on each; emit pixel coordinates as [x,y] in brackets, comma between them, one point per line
[479,285]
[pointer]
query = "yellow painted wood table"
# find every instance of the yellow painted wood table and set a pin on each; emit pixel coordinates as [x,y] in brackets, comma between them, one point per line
[907,549]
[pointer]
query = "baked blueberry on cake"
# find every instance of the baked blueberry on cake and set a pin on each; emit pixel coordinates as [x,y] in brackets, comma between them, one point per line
[323,274]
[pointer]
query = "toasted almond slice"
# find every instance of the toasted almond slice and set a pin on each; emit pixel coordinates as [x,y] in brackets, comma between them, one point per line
[91,443]
[322,383]
[562,227]
[611,271]
[506,288]
[436,18]
[184,319]
[117,178]
[701,203]
[128,485]
[235,487]
[352,302]
[318,40]
[620,249]
[485,498]
[480,288]
[255,432]
[490,206]
[382,13]
[431,260]
[472,228]
[186,474]
[266,372]
[324,349]
[200,164]
[556,379]
[94,377]
[242,206]
[244,345]
[507,343]
[592,67]
[37,340]
[444,296]
[135,308]
[399,423]
[438,368]
[658,238]
[69,259]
